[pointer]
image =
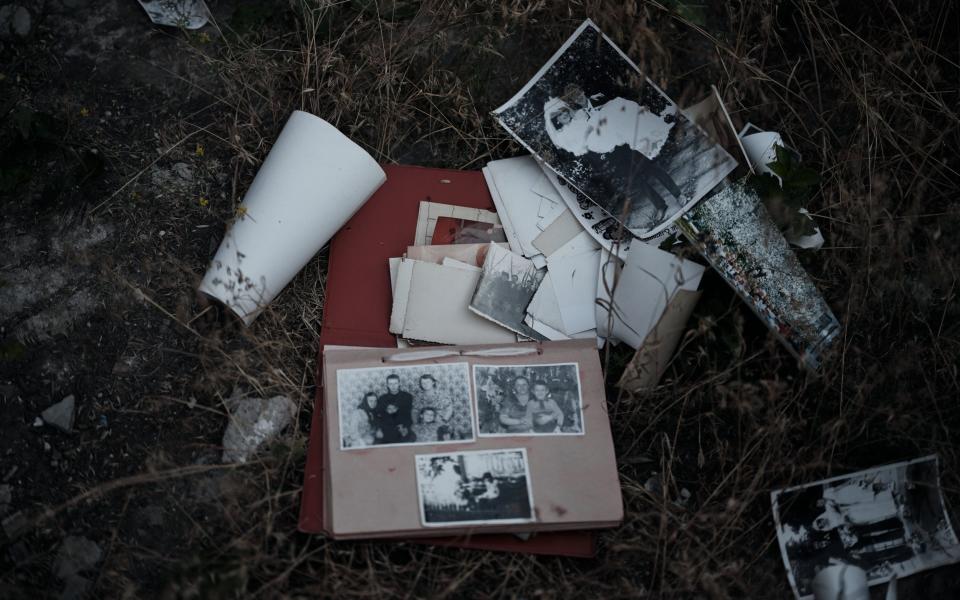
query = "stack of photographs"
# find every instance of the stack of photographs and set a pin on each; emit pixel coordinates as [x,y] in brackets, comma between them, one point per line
[576,247]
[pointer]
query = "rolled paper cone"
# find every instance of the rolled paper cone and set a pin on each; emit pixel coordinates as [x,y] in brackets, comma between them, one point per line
[841,582]
[312,181]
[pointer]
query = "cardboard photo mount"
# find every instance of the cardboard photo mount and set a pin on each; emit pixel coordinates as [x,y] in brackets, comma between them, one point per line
[357,313]
[575,484]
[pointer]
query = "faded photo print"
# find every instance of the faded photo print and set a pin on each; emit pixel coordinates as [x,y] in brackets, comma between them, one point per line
[594,119]
[481,487]
[505,289]
[528,400]
[421,404]
[889,521]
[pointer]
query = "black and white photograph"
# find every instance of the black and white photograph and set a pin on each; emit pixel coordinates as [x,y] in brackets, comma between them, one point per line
[515,400]
[506,286]
[593,118]
[889,521]
[403,405]
[475,488]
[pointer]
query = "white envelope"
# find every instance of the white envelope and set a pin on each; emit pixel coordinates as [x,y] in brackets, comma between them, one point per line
[647,282]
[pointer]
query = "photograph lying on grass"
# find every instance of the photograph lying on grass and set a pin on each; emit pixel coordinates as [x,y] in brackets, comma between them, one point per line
[734,232]
[422,404]
[528,400]
[595,120]
[506,287]
[481,487]
[888,521]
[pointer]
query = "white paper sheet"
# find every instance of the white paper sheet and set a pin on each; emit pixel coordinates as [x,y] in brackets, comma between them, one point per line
[544,307]
[649,279]
[574,280]
[516,202]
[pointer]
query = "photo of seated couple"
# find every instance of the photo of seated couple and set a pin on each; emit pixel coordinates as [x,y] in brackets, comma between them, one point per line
[426,404]
[528,400]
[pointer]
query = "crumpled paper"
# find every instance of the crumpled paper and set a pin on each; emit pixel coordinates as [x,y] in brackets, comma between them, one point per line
[254,422]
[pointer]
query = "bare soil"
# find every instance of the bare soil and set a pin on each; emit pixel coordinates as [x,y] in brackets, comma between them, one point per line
[127,148]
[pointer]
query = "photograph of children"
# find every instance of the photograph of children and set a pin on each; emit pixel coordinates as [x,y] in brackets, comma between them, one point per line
[592,117]
[734,232]
[451,230]
[887,520]
[506,286]
[514,400]
[473,488]
[389,406]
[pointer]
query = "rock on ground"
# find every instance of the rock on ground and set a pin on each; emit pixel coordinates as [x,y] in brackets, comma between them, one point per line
[76,554]
[61,414]
[253,422]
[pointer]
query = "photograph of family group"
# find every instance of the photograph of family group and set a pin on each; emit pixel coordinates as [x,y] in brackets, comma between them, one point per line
[422,404]
[528,400]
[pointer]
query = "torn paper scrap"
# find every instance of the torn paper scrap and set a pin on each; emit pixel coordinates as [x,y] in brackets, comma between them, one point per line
[506,287]
[436,306]
[641,292]
[712,116]
[511,182]
[189,14]
[889,520]
[473,254]
[734,232]
[459,225]
[543,329]
[607,231]
[452,262]
[648,365]
[550,205]
[544,307]
[563,229]
[592,117]
[574,280]
[312,181]
[760,147]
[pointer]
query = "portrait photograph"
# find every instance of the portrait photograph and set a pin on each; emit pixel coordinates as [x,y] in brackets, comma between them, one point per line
[528,400]
[593,118]
[404,405]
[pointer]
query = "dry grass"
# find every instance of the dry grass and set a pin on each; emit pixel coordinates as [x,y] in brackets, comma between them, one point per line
[868,95]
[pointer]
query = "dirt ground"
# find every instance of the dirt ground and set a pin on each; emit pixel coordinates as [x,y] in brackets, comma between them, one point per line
[127,147]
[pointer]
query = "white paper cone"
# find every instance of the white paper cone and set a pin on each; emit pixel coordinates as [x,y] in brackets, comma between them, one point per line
[311,183]
[841,582]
